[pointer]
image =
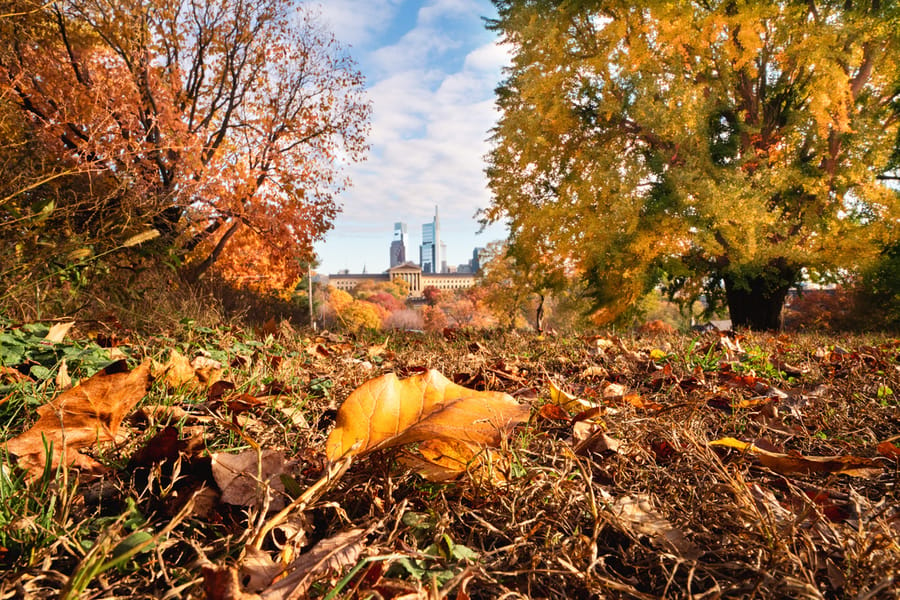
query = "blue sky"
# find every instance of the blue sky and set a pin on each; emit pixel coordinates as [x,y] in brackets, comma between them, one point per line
[431,68]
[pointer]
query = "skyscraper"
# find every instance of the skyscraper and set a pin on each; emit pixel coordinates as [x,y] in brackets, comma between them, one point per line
[430,254]
[399,245]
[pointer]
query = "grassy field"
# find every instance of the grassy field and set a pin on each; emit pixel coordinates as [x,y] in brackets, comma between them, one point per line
[679,466]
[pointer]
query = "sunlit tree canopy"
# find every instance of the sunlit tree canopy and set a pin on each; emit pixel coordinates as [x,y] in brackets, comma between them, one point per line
[724,148]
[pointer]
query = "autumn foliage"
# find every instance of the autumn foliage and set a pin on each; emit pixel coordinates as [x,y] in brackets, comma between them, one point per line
[216,127]
[721,149]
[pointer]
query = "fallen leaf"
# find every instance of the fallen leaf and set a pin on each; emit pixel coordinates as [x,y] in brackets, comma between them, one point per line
[162,413]
[222,583]
[377,349]
[570,402]
[83,416]
[387,411]
[58,332]
[636,513]
[888,450]
[332,554]
[243,403]
[614,390]
[177,371]
[590,437]
[218,389]
[10,375]
[445,459]
[854,466]
[258,569]
[594,371]
[553,412]
[63,381]
[206,370]
[250,478]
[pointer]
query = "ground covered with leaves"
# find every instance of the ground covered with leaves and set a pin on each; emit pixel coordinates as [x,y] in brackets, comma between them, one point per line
[223,463]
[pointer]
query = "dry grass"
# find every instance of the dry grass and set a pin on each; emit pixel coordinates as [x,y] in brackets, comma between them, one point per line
[645,509]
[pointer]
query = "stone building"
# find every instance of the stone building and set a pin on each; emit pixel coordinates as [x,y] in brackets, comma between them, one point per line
[412,273]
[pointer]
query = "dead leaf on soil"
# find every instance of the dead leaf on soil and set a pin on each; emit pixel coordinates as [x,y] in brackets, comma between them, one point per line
[85,415]
[638,515]
[573,404]
[592,437]
[249,478]
[58,332]
[889,450]
[387,412]
[854,466]
[446,459]
[63,381]
[200,373]
[331,554]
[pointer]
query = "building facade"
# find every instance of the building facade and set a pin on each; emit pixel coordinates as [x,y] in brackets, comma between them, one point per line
[430,252]
[399,245]
[412,274]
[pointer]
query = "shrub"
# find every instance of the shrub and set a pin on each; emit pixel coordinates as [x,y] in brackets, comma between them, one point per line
[405,320]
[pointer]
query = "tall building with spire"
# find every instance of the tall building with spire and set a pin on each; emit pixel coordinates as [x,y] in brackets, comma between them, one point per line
[431,250]
[399,246]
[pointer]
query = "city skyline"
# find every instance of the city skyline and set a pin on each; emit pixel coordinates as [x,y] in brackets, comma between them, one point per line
[432,250]
[431,68]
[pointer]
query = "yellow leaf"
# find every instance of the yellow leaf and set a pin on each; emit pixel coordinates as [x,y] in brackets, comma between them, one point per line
[855,466]
[573,404]
[387,411]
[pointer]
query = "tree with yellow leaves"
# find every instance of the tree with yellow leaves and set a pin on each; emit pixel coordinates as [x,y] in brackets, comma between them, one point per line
[726,148]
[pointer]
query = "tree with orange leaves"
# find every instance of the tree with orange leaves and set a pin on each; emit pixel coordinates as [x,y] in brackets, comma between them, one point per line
[219,124]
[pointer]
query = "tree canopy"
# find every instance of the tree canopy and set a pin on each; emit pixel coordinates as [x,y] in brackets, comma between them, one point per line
[725,148]
[220,125]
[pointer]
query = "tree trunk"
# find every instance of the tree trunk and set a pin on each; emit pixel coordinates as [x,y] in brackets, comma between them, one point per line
[539,314]
[755,301]
[200,270]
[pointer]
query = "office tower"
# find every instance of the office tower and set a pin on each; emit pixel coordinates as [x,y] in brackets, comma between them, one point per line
[475,263]
[430,255]
[399,245]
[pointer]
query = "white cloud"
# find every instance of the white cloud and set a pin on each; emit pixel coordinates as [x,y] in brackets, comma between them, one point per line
[358,22]
[433,99]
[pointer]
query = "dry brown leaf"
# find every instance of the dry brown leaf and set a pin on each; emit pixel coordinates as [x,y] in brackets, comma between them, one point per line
[58,332]
[223,583]
[10,375]
[889,450]
[63,381]
[83,416]
[638,515]
[206,370]
[594,371]
[177,371]
[334,553]
[589,436]
[163,413]
[855,466]
[614,390]
[388,411]
[246,479]
[445,459]
[258,570]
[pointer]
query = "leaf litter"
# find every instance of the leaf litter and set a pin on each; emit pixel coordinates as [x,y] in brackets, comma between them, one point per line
[665,466]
